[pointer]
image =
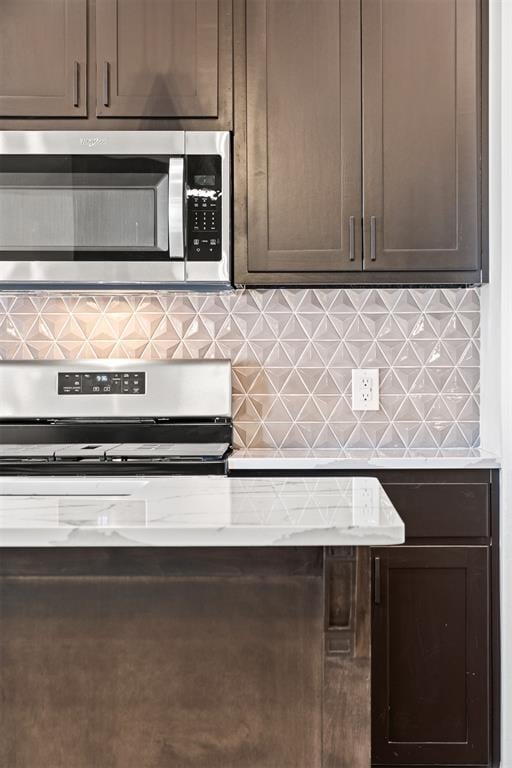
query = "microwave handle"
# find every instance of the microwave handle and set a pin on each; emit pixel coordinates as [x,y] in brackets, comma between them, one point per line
[176,195]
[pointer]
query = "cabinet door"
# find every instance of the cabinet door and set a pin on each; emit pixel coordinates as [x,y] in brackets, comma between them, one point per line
[214,661]
[301,82]
[157,58]
[430,649]
[43,58]
[421,128]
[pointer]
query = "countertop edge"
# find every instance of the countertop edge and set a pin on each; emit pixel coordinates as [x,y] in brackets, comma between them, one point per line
[196,511]
[250,462]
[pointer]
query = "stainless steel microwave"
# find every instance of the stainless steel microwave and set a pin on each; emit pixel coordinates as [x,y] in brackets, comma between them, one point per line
[114,209]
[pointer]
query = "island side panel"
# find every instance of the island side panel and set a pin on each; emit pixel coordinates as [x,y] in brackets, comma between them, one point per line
[347,659]
[151,658]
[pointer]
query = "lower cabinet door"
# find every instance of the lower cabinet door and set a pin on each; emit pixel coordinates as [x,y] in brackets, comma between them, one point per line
[430,656]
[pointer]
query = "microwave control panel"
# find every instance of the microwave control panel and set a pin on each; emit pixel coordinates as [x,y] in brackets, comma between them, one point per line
[204,207]
[102,383]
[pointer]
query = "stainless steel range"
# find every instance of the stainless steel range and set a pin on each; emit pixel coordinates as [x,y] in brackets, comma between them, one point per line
[112,417]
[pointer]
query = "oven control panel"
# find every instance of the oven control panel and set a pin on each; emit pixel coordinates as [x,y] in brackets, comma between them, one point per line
[102,383]
[204,207]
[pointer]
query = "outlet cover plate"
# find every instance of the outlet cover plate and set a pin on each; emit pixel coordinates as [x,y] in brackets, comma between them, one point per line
[365,389]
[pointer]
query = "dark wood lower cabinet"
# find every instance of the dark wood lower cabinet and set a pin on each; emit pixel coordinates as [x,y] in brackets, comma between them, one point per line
[435,684]
[435,621]
[260,658]
[431,656]
[185,658]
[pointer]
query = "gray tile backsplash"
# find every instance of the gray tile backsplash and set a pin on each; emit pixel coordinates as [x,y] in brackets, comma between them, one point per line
[292,352]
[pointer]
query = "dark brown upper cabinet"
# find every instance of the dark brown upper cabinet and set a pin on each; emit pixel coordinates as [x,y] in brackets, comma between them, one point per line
[116,64]
[358,140]
[157,58]
[303,135]
[43,58]
[421,129]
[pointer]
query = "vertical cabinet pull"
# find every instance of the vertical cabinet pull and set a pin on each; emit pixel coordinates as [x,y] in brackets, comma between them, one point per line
[106,83]
[352,238]
[373,238]
[76,83]
[376,585]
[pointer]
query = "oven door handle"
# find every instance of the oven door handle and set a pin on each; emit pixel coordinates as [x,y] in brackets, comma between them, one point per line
[176,207]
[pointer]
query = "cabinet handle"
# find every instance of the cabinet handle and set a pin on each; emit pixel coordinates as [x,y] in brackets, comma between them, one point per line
[106,83]
[352,238]
[373,238]
[376,585]
[76,82]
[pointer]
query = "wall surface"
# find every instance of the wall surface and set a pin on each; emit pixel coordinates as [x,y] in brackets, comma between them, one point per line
[292,352]
[497,326]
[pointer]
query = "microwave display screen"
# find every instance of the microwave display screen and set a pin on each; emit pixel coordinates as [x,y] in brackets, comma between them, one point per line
[204,180]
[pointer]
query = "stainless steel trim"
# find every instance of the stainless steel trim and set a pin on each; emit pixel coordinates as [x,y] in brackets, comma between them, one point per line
[168,450]
[200,273]
[95,274]
[213,143]
[162,236]
[174,389]
[112,450]
[84,450]
[19,450]
[92,142]
[176,192]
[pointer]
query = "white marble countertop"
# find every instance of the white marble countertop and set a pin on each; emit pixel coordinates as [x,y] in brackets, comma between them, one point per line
[297,459]
[196,511]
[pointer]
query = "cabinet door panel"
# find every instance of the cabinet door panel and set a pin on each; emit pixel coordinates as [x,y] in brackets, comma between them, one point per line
[157,58]
[303,135]
[163,671]
[431,656]
[43,58]
[421,83]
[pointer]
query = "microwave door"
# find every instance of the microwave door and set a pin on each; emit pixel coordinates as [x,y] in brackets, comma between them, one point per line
[89,220]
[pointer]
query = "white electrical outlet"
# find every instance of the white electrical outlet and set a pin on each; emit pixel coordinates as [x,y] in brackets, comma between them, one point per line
[365,389]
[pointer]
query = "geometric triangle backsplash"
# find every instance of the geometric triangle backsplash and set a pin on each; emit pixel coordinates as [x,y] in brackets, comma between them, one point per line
[292,353]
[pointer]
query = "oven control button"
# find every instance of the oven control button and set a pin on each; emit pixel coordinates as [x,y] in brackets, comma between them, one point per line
[107,383]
